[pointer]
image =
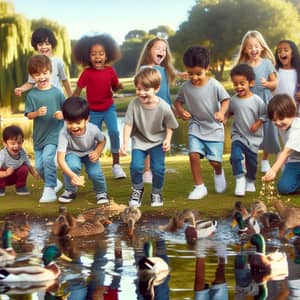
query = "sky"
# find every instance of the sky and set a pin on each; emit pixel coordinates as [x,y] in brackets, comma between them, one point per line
[115,17]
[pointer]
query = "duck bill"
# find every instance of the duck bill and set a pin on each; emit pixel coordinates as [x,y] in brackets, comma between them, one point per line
[233,223]
[289,235]
[65,257]
[15,237]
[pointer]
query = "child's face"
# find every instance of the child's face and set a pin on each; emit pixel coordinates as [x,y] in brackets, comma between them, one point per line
[253,49]
[76,128]
[146,95]
[284,53]
[98,56]
[14,145]
[158,52]
[283,124]
[197,75]
[242,85]
[44,48]
[42,79]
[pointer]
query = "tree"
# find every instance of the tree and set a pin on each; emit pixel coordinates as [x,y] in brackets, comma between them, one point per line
[162,31]
[220,26]
[135,34]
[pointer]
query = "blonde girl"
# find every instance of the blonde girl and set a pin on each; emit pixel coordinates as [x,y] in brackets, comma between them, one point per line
[255,52]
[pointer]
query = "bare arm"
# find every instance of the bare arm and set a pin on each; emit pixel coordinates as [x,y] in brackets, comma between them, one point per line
[67,87]
[96,153]
[126,135]
[167,141]
[23,88]
[77,91]
[185,115]
[42,111]
[34,172]
[220,115]
[271,83]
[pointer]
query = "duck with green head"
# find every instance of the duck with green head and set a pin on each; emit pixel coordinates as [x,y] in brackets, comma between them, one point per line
[7,253]
[245,228]
[35,274]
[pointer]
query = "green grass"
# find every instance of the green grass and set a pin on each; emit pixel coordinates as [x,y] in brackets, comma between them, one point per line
[178,183]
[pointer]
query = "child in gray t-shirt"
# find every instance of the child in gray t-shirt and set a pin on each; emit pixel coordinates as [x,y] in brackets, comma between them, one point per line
[249,112]
[149,121]
[203,101]
[80,143]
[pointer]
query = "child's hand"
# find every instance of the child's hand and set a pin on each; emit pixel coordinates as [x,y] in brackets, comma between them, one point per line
[18,92]
[185,115]
[269,176]
[77,180]
[9,171]
[219,116]
[58,115]
[42,111]
[264,82]
[123,150]
[94,156]
[166,145]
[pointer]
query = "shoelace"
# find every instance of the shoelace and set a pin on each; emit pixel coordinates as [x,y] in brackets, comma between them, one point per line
[136,194]
[102,196]
[156,198]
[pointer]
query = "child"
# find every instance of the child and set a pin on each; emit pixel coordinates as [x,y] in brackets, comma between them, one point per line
[255,52]
[14,161]
[156,54]
[44,42]
[288,69]
[249,113]
[282,111]
[100,79]
[80,143]
[206,102]
[43,106]
[149,121]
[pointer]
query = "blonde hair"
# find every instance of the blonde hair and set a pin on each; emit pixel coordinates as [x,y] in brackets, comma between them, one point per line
[266,52]
[145,58]
[148,78]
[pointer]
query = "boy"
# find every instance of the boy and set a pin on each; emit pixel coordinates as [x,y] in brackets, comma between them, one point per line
[14,161]
[206,102]
[43,106]
[44,42]
[249,112]
[149,121]
[282,111]
[80,142]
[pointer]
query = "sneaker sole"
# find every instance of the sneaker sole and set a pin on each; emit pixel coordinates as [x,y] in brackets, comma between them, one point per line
[62,200]
[199,198]
[156,204]
[135,204]
[22,193]
[47,200]
[102,201]
[120,177]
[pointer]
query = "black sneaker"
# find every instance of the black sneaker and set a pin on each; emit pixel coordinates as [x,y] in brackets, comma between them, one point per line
[102,198]
[2,192]
[67,197]
[156,199]
[136,197]
[22,191]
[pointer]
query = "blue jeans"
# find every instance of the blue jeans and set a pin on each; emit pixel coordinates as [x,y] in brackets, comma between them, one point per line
[289,181]
[93,169]
[109,117]
[236,157]
[45,164]
[157,166]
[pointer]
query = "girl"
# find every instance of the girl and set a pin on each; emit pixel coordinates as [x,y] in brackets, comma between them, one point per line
[156,54]
[255,52]
[97,53]
[288,68]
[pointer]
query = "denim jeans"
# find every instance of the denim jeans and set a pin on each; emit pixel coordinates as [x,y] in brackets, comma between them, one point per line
[236,157]
[93,169]
[157,166]
[109,117]
[289,181]
[45,164]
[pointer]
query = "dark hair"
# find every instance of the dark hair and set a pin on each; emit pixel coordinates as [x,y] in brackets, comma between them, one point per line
[75,108]
[37,63]
[243,70]
[196,56]
[12,133]
[295,62]
[41,35]
[83,47]
[281,106]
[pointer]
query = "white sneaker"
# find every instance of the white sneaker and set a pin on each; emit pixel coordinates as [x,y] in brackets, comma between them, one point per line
[220,182]
[102,198]
[49,195]
[240,186]
[265,166]
[147,177]
[59,185]
[118,171]
[250,186]
[199,192]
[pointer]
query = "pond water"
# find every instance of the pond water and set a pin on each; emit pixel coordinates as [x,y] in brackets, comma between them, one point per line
[96,269]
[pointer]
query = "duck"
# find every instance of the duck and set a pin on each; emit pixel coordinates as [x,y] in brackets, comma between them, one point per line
[198,229]
[34,274]
[246,228]
[290,216]
[7,253]
[130,216]
[152,266]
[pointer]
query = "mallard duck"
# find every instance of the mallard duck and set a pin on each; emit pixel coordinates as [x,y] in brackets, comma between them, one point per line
[152,266]
[203,228]
[290,216]
[248,227]
[35,274]
[130,216]
[7,253]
